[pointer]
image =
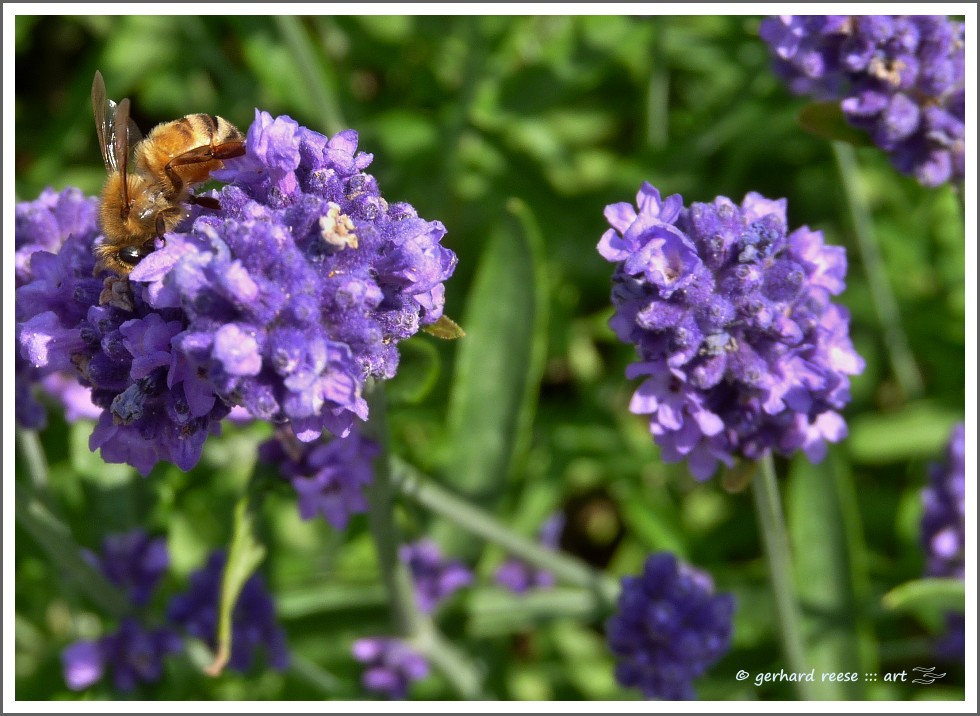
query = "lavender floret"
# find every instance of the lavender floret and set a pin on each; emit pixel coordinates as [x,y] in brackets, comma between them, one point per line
[390,665]
[133,654]
[518,576]
[435,577]
[944,530]
[329,476]
[43,226]
[133,561]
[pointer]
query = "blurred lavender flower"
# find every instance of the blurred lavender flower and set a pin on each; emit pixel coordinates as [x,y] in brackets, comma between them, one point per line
[435,577]
[329,476]
[284,302]
[391,665]
[518,576]
[742,350]
[669,628]
[254,622]
[900,78]
[944,515]
[944,529]
[43,225]
[133,561]
[133,654]
[952,645]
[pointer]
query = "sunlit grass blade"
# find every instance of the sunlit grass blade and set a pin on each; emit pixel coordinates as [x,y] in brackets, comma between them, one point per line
[775,540]
[831,575]
[928,599]
[500,361]
[245,554]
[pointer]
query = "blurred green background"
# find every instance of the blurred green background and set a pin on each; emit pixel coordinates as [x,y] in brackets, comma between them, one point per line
[516,132]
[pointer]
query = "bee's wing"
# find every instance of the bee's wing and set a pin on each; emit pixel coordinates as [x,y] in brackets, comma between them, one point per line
[116,130]
[105,113]
[135,135]
[120,135]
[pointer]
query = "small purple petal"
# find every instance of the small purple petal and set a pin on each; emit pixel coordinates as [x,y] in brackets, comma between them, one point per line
[83,664]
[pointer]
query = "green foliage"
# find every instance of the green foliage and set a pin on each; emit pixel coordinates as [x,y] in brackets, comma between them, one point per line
[515,132]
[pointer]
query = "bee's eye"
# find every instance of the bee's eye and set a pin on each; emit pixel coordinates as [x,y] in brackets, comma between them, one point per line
[130,255]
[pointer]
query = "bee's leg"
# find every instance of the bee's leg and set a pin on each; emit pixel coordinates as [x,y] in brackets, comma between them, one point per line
[198,155]
[161,228]
[206,201]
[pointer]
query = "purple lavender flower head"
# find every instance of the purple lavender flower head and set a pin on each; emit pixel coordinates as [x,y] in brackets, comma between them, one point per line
[944,514]
[901,78]
[517,575]
[133,654]
[944,531]
[390,665]
[284,302]
[301,287]
[435,577]
[42,227]
[741,349]
[668,629]
[329,475]
[133,561]
[254,623]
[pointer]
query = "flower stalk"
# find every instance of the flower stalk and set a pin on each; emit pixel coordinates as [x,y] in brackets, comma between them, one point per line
[410,624]
[413,484]
[775,539]
[381,519]
[886,306]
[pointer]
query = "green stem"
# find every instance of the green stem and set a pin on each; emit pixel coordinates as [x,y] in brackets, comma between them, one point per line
[453,663]
[314,675]
[416,486]
[886,306]
[30,447]
[493,612]
[381,519]
[37,464]
[658,89]
[775,539]
[319,84]
[410,624]
[56,540]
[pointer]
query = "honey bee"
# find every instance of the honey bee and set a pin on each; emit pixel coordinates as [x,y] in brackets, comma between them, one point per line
[144,200]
